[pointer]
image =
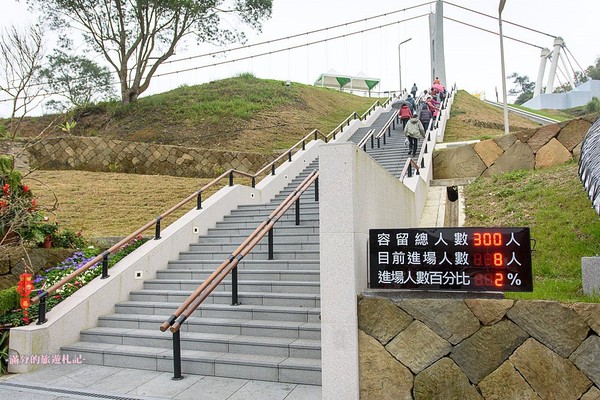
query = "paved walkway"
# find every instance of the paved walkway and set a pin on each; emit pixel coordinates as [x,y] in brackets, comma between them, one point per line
[65,382]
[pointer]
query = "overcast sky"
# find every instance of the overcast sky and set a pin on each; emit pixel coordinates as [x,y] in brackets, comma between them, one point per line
[472,56]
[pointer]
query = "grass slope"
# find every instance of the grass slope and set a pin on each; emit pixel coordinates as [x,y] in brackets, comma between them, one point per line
[242,113]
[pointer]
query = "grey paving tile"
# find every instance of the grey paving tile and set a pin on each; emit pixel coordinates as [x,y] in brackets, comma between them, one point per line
[13,394]
[164,387]
[260,390]
[305,392]
[84,376]
[124,380]
[212,388]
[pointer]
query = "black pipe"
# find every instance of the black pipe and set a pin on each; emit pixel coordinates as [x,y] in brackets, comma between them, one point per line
[177,356]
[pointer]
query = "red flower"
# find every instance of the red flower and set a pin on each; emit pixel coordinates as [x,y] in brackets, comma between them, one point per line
[5,189]
[25,188]
[33,204]
[3,203]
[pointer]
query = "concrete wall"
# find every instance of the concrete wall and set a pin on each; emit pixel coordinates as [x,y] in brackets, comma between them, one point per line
[477,349]
[580,96]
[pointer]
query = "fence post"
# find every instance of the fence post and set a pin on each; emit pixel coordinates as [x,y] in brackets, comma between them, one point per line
[42,308]
[105,265]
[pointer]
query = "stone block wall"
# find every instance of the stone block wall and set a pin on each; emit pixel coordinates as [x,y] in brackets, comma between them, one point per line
[427,349]
[537,148]
[101,155]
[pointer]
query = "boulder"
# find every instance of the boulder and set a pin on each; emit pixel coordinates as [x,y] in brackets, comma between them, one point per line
[577,151]
[382,377]
[525,134]
[551,376]
[518,156]
[489,311]
[553,153]
[556,326]
[381,318]
[444,381]
[573,134]
[418,347]
[451,319]
[587,358]
[590,312]
[592,394]
[505,141]
[458,162]
[487,349]
[488,151]
[505,383]
[542,136]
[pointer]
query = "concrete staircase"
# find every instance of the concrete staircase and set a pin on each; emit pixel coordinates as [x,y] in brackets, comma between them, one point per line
[273,335]
[392,155]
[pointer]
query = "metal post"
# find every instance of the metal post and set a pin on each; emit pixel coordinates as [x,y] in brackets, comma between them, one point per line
[372,141]
[105,265]
[298,211]
[317,189]
[157,228]
[199,201]
[42,309]
[272,169]
[231,178]
[379,142]
[177,356]
[400,65]
[290,155]
[304,145]
[234,287]
[504,100]
[270,244]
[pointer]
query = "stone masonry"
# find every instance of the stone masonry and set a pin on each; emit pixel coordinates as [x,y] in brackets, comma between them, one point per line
[425,349]
[549,145]
[101,155]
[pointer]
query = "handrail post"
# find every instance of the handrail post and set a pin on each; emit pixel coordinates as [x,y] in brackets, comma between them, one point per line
[199,200]
[384,141]
[177,356]
[273,169]
[231,178]
[298,211]
[425,151]
[290,154]
[270,244]
[253,182]
[234,286]
[317,189]
[303,145]
[105,265]
[42,308]
[316,135]
[372,141]
[423,162]
[379,142]
[157,229]
[389,129]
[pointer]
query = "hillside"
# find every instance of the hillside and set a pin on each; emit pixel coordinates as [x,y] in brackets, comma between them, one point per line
[242,113]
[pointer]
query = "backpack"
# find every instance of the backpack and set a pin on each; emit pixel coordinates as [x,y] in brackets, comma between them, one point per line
[405,112]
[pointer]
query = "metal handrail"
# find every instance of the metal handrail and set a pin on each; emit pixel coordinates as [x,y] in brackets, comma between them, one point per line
[408,169]
[41,297]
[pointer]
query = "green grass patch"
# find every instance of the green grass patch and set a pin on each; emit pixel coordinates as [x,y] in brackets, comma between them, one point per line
[554,205]
[554,114]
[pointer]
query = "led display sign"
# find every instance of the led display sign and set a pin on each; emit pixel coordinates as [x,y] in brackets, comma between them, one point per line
[466,259]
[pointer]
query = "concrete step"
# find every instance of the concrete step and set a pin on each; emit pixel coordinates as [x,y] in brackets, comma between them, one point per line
[243,311]
[291,222]
[244,232]
[281,238]
[223,296]
[253,255]
[262,286]
[246,264]
[261,246]
[216,342]
[208,363]
[248,327]
[243,275]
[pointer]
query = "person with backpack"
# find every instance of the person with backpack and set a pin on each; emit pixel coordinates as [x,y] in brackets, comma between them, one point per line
[413,131]
[405,114]
[411,101]
[425,116]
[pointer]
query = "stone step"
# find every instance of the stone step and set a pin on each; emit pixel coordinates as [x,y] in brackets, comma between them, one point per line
[262,286]
[216,342]
[246,264]
[253,255]
[243,311]
[248,327]
[279,238]
[223,296]
[304,221]
[208,363]
[261,246]
[290,215]
[243,275]
[244,232]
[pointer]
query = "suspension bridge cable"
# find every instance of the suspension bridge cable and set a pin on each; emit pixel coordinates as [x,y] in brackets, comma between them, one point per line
[503,21]
[576,62]
[495,33]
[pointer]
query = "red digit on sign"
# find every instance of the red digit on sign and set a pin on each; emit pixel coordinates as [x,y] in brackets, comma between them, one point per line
[497,239]
[498,260]
[477,239]
[499,281]
[487,239]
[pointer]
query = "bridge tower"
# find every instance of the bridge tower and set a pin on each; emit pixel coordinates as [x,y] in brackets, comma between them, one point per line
[538,83]
[436,37]
[559,43]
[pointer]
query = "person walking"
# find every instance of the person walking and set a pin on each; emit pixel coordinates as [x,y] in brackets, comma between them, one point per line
[413,131]
[405,113]
[414,90]
[411,101]
[425,116]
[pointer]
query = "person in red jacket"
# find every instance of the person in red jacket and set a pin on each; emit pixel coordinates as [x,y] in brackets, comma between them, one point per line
[405,114]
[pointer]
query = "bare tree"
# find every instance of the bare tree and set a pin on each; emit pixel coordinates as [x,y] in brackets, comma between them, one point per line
[21,53]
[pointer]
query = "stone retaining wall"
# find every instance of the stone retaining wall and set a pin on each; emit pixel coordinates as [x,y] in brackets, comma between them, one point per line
[532,149]
[101,155]
[478,349]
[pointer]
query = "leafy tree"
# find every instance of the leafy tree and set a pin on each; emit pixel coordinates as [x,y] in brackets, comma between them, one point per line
[137,36]
[523,89]
[76,78]
[593,71]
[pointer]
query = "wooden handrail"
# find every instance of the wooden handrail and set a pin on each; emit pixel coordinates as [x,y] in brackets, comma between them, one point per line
[409,164]
[209,284]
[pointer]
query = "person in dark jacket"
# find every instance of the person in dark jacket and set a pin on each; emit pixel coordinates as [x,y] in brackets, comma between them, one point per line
[411,101]
[413,131]
[414,90]
[425,116]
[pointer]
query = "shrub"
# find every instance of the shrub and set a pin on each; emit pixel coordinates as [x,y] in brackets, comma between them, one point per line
[9,300]
[593,106]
